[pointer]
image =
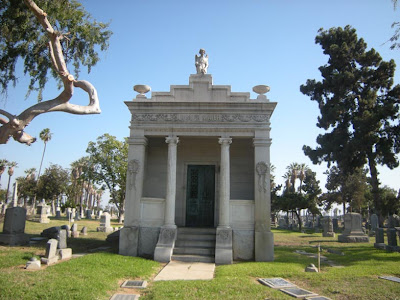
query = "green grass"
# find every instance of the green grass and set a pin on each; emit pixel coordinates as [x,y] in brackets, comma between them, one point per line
[99,275]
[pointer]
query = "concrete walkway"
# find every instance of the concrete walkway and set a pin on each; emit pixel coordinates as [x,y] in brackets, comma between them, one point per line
[177,270]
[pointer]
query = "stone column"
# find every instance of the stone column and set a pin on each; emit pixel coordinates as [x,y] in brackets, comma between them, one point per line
[223,248]
[129,235]
[172,142]
[264,239]
[166,239]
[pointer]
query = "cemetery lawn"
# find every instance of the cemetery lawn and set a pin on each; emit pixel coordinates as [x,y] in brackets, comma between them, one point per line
[99,274]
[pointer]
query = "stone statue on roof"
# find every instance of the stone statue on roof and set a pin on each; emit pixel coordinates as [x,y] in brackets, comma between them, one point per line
[201,62]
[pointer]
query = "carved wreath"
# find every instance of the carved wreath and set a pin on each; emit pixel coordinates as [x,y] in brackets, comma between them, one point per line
[133,169]
[262,169]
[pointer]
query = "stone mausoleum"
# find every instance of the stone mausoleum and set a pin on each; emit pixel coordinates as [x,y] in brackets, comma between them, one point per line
[198,181]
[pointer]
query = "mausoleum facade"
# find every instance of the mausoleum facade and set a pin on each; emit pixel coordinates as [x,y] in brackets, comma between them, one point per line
[199,157]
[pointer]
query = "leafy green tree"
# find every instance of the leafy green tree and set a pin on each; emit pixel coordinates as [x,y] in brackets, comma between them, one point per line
[47,36]
[109,158]
[359,107]
[53,184]
[304,198]
[346,188]
[27,186]
[390,201]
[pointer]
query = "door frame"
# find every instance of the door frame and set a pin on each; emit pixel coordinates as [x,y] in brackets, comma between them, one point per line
[216,188]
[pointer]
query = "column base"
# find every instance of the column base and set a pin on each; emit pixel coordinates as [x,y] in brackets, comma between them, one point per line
[223,246]
[264,246]
[129,241]
[165,244]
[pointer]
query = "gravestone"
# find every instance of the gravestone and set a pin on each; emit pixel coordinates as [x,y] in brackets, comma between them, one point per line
[379,239]
[69,212]
[392,240]
[89,214]
[84,230]
[14,227]
[335,223]
[62,239]
[328,227]
[58,212]
[41,212]
[353,232]
[282,223]
[51,232]
[33,264]
[68,229]
[105,223]
[51,256]
[74,230]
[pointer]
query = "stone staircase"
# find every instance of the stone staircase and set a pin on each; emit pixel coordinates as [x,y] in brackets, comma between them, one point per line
[195,245]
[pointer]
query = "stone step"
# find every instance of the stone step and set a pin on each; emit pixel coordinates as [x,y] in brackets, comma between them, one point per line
[198,237]
[194,243]
[193,258]
[195,251]
[195,230]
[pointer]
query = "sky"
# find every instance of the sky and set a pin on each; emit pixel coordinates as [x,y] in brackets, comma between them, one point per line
[248,42]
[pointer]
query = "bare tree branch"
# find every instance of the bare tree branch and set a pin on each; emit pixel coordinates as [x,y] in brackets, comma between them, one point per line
[16,124]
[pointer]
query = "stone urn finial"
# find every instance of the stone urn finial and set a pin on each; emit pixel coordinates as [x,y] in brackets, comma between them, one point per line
[142,89]
[261,90]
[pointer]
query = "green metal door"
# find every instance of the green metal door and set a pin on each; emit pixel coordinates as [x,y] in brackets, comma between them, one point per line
[200,196]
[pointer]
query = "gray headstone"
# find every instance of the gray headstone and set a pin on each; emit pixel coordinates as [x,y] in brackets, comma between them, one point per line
[84,230]
[51,232]
[74,227]
[353,232]
[392,237]
[62,239]
[89,214]
[51,248]
[335,223]
[14,221]
[379,236]
[374,222]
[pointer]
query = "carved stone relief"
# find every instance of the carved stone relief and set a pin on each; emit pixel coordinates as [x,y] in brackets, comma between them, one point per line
[209,118]
[133,169]
[262,169]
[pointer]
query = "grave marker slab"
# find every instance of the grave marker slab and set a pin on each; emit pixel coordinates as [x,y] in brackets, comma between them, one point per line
[353,232]
[391,278]
[318,298]
[51,256]
[134,284]
[297,292]
[124,297]
[14,227]
[276,283]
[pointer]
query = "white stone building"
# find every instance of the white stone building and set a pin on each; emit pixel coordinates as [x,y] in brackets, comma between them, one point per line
[199,157]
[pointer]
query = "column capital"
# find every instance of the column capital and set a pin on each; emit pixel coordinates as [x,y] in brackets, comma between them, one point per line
[172,139]
[137,140]
[262,142]
[225,141]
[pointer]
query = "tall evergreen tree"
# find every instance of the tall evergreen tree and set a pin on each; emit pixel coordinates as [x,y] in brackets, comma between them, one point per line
[359,107]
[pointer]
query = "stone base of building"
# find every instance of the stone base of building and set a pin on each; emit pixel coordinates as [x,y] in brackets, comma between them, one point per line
[129,241]
[353,238]
[223,246]
[264,246]
[14,239]
[243,245]
[165,244]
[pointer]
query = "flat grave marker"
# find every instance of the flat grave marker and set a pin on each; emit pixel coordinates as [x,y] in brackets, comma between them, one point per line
[134,284]
[318,298]
[124,297]
[276,283]
[391,278]
[297,292]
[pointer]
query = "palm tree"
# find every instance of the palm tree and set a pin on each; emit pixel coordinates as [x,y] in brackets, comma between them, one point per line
[11,166]
[302,170]
[45,136]
[3,166]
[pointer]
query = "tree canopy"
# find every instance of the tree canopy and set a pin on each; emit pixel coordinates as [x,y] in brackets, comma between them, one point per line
[109,159]
[359,106]
[47,36]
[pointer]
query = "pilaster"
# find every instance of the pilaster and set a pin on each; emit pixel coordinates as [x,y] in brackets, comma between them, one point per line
[264,239]
[129,235]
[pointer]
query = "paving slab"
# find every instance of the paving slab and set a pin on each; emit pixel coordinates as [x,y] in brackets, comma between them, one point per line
[178,270]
